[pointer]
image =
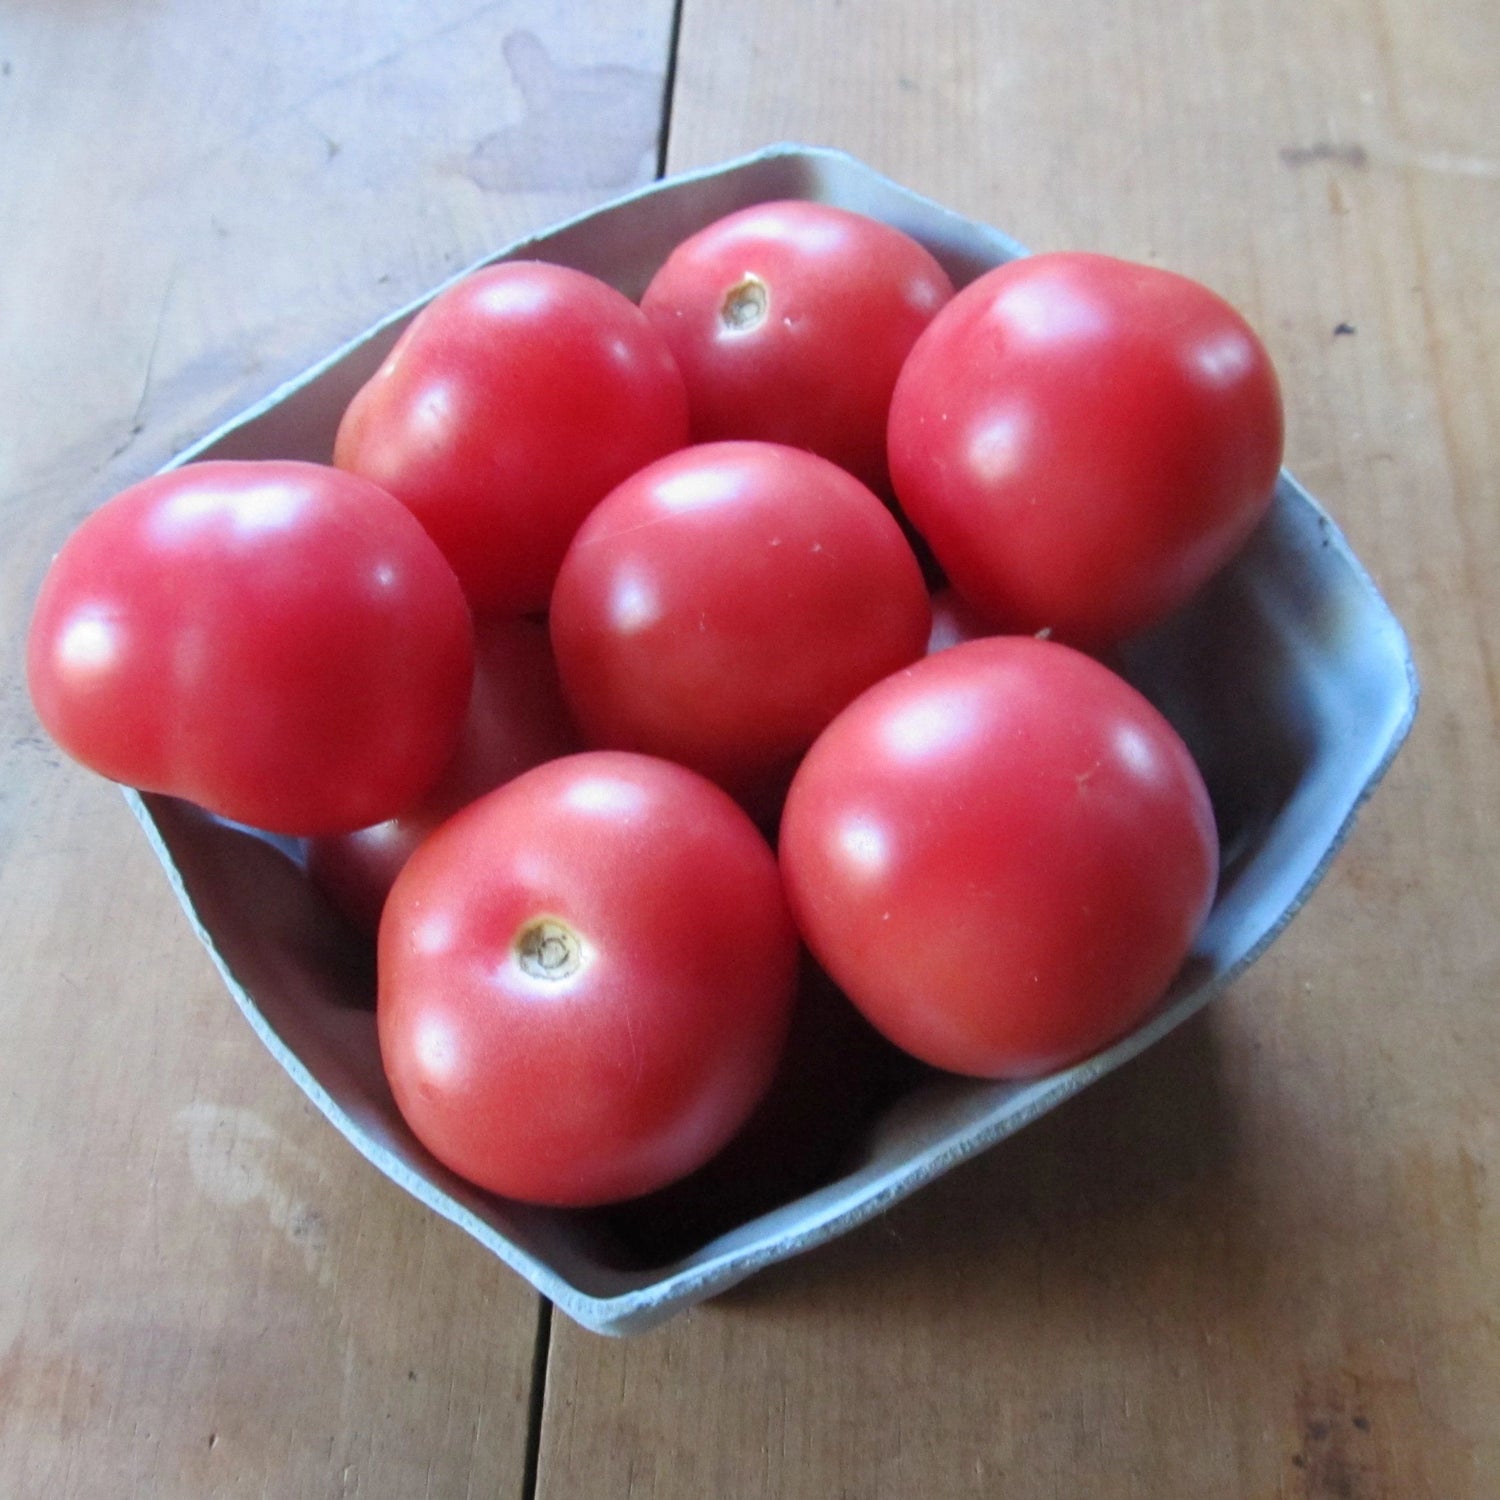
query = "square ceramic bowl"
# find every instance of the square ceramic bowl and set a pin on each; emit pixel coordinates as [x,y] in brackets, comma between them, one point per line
[1289,678]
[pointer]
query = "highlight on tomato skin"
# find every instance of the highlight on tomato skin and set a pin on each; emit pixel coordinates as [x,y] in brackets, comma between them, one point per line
[1002,855]
[586,980]
[1083,442]
[510,406]
[276,641]
[516,720]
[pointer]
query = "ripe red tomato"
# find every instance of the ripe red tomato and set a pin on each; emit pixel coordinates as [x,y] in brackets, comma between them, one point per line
[721,606]
[517,719]
[586,979]
[278,642]
[790,322]
[1083,442]
[1001,855]
[512,404]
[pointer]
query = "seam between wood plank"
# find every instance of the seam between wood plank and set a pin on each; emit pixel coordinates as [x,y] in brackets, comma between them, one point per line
[668,90]
[536,1398]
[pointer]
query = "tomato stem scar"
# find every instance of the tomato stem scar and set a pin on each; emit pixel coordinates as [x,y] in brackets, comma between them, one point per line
[745,304]
[548,949]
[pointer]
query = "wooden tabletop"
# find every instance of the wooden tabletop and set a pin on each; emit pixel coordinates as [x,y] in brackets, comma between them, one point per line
[1263,1261]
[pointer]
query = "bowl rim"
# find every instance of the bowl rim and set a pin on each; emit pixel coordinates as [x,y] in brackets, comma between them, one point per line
[709,1272]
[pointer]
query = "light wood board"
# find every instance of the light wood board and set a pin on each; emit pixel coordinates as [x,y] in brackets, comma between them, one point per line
[1265,1261]
[203,1290]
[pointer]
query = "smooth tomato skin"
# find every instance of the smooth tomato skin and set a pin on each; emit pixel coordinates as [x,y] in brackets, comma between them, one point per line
[583,1085]
[511,406]
[790,322]
[278,642]
[1001,855]
[516,720]
[721,606]
[1084,442]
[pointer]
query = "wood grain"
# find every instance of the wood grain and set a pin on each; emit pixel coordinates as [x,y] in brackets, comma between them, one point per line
[1265,1259]
[202,1289]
